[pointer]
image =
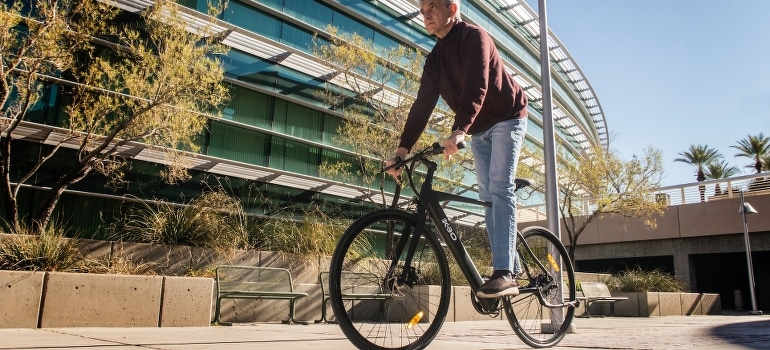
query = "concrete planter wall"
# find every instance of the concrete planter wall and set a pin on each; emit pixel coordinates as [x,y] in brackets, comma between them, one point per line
[22,292]
[648,304]
[57,299]
[60,299]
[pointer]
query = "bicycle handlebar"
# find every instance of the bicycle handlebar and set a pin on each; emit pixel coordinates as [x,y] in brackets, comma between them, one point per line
[435,149]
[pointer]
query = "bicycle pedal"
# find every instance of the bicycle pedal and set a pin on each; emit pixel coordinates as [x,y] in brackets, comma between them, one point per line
[495,307]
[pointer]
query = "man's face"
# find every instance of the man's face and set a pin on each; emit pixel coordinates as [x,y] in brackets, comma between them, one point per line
[437,16]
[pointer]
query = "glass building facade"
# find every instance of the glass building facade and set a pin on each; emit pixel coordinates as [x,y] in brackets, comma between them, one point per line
[274,133]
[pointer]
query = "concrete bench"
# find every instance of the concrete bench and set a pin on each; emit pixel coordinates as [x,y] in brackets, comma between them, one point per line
[355,286]
[249,282]
[597,292]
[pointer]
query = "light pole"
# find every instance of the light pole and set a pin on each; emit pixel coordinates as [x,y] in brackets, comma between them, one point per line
[746,208]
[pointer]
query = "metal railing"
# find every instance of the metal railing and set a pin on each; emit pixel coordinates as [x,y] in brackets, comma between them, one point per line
[690,193]
[705,191]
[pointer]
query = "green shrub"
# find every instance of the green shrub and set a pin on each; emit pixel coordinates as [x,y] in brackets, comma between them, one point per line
[209,272]
[638,280]
[118,265]
[316,234]
[49,251]
[215,220]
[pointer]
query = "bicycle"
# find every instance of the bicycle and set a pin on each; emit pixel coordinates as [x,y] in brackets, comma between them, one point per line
[405,250]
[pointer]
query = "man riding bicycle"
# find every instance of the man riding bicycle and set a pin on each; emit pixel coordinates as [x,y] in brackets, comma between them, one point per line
[465,69]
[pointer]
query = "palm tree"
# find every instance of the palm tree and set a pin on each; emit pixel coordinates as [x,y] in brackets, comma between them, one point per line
[754,147]
[719,170]
[766,161]
[699,156]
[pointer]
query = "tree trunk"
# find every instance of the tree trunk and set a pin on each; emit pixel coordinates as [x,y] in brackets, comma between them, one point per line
[11,210]
[701,188]
[43,216]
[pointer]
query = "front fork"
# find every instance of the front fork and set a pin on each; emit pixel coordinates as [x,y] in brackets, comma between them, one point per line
[408,274]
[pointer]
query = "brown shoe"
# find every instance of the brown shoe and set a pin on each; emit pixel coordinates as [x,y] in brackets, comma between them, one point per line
[498,287]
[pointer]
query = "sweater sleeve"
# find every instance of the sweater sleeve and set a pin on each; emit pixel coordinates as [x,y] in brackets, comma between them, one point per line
[422,108]
[476,53]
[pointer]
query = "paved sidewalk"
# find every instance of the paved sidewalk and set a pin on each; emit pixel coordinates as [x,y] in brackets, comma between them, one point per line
[688,332]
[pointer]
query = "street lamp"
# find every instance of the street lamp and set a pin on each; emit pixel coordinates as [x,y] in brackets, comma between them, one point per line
[746,208]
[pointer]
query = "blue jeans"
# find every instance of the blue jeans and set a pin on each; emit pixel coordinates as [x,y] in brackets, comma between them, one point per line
[496,155]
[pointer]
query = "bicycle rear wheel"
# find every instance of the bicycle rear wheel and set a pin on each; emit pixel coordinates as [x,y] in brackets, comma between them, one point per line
[410,306]
[539,315]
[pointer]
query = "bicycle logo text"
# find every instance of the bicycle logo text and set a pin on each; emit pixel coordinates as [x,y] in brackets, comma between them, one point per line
[449,229]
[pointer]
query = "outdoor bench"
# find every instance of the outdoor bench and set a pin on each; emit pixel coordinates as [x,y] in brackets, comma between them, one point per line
[250,282]
[597,292]
[355,286]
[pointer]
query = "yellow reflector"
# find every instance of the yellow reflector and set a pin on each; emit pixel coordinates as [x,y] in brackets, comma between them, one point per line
[553,263]
[414,320]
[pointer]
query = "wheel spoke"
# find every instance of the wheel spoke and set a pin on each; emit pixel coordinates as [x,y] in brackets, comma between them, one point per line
[409,303]
[539,314]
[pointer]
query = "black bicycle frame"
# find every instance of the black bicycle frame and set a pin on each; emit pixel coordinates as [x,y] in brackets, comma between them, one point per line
[429,200]
[428,203]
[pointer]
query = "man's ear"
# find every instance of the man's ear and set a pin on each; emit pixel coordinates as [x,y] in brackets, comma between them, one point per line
[453,9]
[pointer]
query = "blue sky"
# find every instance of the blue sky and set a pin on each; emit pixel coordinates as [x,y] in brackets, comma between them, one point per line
[673,73]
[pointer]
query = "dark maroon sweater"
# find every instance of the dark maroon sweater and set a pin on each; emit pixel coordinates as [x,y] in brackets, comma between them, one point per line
[465,69]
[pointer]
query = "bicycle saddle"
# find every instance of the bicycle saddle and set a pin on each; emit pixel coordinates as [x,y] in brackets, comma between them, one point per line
[521,183]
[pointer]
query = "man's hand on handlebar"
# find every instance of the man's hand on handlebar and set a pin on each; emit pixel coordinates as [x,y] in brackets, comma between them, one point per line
[451,143]
[450,146]
[401,153]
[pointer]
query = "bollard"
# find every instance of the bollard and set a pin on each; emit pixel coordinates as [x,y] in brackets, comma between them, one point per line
[738,300]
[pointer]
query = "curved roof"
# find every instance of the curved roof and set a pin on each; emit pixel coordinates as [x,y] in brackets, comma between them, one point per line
[563,63]
[515,17]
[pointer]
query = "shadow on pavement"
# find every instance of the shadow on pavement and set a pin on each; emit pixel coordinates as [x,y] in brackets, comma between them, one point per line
[752,335]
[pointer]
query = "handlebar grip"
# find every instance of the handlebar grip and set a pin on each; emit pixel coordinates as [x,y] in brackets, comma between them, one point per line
[437,148]
[460,145]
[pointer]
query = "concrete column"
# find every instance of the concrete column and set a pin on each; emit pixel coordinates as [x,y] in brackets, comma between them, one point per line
[683,268]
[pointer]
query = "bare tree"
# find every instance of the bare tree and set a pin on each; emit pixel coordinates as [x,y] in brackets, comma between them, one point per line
[601,183]
[138,85]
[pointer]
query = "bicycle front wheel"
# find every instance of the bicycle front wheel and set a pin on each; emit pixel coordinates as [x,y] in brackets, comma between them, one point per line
[541,315]
[409,301]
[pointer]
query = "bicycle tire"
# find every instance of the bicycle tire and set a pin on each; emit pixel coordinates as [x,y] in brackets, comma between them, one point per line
[536,324]
[390,323]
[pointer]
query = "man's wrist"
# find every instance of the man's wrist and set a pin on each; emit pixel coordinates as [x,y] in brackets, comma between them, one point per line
[400,153]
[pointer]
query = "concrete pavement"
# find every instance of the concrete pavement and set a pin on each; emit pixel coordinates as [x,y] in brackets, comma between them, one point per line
[672,332]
